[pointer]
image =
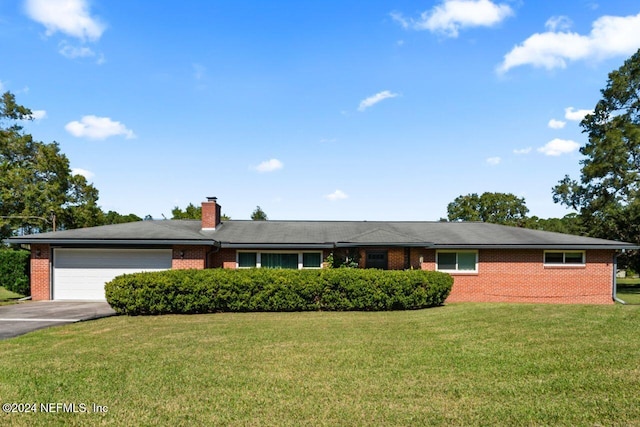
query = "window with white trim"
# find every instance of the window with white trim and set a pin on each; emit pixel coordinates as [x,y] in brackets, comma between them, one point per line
[279,259]
[457,261]
[247,259]
[564,258]
[311,259]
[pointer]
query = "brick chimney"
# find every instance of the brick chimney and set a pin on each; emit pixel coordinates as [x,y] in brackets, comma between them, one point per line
[210,213]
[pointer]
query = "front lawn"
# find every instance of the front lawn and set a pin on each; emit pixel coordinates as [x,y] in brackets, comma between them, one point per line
[629,290]
[8,297]
[462,364]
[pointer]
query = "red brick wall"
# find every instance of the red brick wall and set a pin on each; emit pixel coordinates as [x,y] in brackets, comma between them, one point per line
[503,275]
[210,214]
[185,257]
[40,272]
[395,257]
[520,276]
[224,258]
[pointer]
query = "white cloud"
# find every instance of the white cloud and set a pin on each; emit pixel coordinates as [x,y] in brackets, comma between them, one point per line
[400,19]
[451,16]
[494,161]
[70,17]
[558,23]
[522,151]
[69,51]
[38,114]
[556,124]
[94,127]
[557,147]
[372,100]
[610,36]
[1,86]
[571,113]
[336,195]
[270,165]
[87,174]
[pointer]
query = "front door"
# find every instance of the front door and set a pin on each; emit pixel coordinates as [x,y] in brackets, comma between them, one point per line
[377,259]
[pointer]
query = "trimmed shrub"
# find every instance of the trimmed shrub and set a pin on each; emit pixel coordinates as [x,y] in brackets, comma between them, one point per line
[14,267]
[222,290]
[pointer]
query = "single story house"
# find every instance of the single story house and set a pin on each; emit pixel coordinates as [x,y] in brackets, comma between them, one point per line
[489,262]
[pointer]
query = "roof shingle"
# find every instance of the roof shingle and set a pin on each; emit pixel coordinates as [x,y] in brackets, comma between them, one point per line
[241,233]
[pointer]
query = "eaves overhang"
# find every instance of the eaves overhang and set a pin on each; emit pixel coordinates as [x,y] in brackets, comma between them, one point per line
[326,245]
[112,242]
[229,245]
[385,244]
[537,246]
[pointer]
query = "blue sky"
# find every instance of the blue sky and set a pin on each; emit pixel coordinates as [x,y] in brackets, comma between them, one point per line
[376,110]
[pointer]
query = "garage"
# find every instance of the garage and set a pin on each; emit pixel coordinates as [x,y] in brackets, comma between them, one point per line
[80,274]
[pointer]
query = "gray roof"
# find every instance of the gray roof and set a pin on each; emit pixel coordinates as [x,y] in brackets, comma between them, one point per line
[141,232]
[321,234]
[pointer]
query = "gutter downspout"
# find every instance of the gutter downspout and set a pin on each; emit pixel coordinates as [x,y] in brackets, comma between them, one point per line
[615,280]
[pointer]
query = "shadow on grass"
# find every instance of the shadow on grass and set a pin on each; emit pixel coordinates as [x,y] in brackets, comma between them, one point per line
[8,297]
[629,293]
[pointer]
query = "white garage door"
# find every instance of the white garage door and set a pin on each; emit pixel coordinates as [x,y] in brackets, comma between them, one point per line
[80,274]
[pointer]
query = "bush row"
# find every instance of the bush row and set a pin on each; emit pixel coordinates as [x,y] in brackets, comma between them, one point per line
[14,267]
[222,290]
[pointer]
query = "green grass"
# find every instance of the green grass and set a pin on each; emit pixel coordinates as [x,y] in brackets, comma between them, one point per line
[8,297]
[629,290]
[462,364]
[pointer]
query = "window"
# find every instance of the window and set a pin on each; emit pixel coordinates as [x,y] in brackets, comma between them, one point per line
[564,257]
[377,259]
[247,259]
[311,260]
[447,261]
[457,261]
[279,259]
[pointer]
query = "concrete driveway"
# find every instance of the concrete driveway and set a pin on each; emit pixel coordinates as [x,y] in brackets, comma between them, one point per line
[18,319]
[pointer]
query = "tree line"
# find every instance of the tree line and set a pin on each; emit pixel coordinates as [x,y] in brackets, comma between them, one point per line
[195,212]
[508,209]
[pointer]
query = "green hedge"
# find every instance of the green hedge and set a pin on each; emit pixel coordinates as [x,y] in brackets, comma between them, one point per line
[222,290]
[14,267]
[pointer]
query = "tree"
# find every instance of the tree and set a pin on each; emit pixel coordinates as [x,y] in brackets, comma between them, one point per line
[343,258]
[192,212]
[568,224]
[36,183]
[498,208]
[607,194]
[259,215]
[113,217]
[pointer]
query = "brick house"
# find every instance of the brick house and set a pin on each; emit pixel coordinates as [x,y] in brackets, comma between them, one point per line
[489,262]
